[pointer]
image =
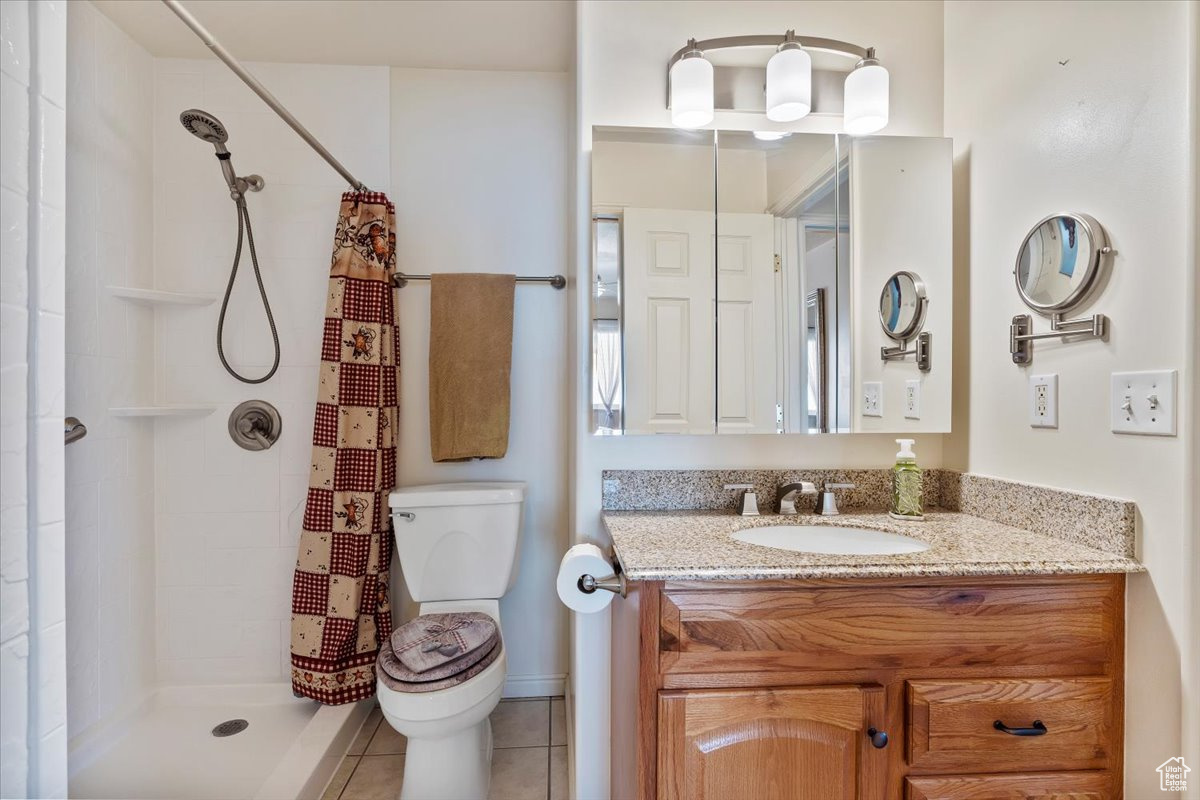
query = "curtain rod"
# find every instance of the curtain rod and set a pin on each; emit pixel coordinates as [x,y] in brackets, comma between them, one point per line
[260,90]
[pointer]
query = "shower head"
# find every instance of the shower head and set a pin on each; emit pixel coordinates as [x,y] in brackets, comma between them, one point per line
[205,126]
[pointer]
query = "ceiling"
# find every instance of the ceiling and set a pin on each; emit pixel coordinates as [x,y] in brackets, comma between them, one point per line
[528,35]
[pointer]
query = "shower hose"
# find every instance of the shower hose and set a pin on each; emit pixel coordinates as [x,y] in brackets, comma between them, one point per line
[243,215]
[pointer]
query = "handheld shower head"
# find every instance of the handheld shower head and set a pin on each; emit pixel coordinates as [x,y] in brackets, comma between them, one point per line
[206,127]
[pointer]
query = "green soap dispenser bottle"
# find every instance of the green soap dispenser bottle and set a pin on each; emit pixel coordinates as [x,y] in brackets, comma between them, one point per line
[906,483]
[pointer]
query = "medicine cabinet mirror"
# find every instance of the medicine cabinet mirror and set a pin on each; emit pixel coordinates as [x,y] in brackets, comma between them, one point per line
[736,279]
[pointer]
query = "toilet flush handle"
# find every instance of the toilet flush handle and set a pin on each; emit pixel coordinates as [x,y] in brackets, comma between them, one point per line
[408,515]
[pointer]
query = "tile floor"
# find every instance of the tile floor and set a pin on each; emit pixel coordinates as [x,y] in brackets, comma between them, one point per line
[529,761]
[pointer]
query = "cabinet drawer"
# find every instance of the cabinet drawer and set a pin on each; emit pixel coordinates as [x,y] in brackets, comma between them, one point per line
[883,627]
[952,724]
[1047,786]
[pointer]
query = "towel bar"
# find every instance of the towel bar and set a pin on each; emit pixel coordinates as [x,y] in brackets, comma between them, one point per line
[401,279]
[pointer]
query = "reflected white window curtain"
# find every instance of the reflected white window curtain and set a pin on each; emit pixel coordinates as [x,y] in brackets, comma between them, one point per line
[606,347]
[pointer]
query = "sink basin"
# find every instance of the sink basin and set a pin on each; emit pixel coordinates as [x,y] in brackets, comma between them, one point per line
[830,540]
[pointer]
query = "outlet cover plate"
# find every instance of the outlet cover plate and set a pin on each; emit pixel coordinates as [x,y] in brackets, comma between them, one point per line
[1144,403]
[872,399]
[1043,401]
[912,399]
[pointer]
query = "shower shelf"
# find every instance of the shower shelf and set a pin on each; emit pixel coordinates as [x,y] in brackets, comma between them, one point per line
[162,411]
[157,297]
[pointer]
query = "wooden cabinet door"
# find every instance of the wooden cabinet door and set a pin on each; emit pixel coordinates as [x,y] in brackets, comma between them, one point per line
[770,744]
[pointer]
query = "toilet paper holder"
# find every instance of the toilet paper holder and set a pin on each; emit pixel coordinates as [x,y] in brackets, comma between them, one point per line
[615,583]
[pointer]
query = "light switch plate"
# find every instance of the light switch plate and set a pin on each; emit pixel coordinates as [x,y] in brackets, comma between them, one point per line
[1144,403]
[872,399]
[912,399]
[1043,401]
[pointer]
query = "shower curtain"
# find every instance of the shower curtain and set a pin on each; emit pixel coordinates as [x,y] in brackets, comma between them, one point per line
[340,608]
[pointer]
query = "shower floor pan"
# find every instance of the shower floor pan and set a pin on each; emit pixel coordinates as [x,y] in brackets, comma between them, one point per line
[165,748]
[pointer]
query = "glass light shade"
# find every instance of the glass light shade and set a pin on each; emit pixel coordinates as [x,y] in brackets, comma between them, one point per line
[691,92]
[770,136]
[866,100]
[789,85]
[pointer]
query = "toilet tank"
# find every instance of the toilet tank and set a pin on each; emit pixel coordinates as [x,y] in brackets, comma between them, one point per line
[461,542]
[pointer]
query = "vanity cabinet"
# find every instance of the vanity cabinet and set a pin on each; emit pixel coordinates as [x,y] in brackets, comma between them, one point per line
[924,688]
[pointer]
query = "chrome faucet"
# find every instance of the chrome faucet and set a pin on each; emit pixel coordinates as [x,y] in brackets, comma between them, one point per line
[827,501]
[787,496]
[747,500]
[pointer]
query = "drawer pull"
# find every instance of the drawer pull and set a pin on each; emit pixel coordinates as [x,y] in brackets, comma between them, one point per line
[1038,729]
[879,739]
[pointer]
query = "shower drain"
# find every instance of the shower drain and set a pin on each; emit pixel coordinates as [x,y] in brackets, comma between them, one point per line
[230,726]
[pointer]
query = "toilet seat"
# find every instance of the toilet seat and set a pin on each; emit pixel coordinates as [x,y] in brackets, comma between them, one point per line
[452,701]
[455,707]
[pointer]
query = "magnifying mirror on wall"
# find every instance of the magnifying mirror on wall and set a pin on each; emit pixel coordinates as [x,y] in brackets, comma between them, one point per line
[1061,264]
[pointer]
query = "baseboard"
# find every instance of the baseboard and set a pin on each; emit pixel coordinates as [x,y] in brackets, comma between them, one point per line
[535,685]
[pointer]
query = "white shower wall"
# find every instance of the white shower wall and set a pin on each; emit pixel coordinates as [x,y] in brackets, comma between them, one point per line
[109,347]
[227,519]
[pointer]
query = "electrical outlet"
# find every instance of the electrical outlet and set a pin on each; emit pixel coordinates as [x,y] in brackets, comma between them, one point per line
[1043,401]
[912,399]
[872,399]
[1144,402]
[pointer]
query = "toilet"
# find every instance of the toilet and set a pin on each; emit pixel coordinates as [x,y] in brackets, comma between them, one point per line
[457,544]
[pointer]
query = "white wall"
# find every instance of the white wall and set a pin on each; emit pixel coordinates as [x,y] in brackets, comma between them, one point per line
[228,520]
[33,691]
[110,362]
[492,197]
[623,49]
[1107,133]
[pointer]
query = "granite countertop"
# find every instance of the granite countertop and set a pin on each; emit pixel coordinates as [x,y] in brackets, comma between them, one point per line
[696,545]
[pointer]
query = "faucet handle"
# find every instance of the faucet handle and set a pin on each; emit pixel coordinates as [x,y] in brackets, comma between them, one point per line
[827,501]
[748,501]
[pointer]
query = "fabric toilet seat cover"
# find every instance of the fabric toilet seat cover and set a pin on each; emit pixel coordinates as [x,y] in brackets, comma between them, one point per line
[435,648]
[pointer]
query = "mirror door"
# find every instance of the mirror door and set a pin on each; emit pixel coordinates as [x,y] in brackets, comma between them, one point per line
[782,259]
[653,341]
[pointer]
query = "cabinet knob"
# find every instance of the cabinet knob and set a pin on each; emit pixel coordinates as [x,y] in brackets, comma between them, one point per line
[879,739]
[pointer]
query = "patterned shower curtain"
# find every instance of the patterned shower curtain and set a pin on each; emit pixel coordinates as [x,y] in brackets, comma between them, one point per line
[340,608]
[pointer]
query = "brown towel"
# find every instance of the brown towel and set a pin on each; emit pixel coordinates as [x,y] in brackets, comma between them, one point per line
[470,353]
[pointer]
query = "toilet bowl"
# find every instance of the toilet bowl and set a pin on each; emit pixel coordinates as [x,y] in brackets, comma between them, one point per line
[457,548]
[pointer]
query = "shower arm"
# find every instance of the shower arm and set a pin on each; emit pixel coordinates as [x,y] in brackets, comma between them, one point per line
[260,90]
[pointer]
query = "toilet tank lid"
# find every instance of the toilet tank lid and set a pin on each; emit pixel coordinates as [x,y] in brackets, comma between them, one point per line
[457,494]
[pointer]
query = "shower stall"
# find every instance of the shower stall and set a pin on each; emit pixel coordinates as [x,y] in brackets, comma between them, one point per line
[180,543]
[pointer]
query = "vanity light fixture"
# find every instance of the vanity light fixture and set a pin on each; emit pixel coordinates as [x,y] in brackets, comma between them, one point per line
[789,81]
[691,82]
[792,89]
[771,136]
[866,99]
